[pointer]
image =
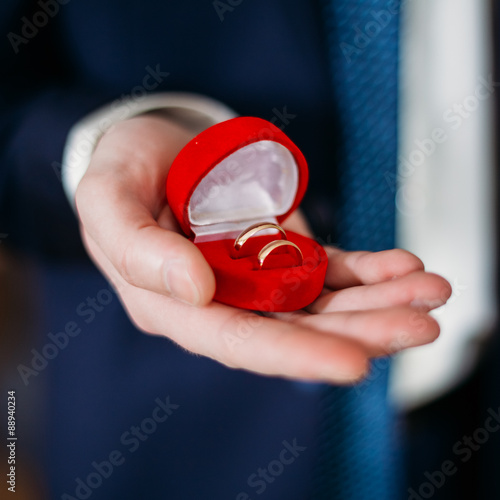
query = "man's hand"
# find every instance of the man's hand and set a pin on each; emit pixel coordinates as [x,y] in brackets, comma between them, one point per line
[373,304]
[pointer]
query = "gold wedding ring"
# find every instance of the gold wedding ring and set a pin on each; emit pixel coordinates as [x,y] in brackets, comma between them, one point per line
[250,231]
[276,244]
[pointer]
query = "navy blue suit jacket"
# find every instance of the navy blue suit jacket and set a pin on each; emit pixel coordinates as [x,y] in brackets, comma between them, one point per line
[263,58]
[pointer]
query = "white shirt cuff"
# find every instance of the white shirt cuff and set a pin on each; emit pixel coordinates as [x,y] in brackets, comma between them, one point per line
[197,111]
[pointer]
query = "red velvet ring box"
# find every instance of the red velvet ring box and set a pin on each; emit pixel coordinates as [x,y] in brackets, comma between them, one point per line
[235,174]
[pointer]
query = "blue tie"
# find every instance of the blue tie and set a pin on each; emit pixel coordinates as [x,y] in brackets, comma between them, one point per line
[357,455]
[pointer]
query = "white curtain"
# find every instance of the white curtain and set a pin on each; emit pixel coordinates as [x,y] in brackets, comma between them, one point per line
[445,184]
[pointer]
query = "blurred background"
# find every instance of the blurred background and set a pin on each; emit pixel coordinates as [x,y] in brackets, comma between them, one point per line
[19,316]
[448,393]
[446,198]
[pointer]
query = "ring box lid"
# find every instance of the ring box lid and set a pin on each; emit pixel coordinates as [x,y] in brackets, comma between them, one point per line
[234,174]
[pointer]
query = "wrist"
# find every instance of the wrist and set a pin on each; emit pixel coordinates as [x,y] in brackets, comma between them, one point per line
[192,112]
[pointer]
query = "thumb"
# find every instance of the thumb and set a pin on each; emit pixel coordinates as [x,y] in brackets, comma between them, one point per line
[145,254]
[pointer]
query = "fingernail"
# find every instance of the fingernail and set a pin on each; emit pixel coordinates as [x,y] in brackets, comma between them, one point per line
[346,376]
[179,283]
[426,304]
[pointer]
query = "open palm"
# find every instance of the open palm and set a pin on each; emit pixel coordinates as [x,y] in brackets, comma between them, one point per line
[373,304]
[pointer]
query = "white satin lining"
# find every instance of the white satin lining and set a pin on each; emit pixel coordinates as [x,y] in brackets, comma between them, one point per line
[254,184]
